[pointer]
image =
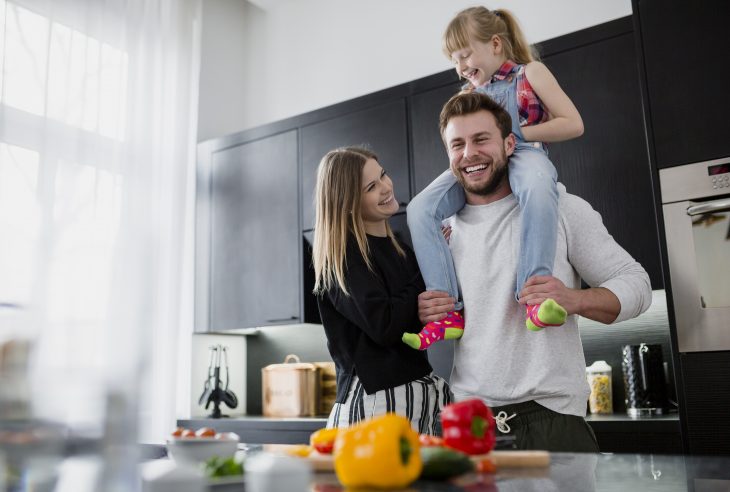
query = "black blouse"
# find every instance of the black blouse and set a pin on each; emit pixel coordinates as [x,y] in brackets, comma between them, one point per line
[364,329]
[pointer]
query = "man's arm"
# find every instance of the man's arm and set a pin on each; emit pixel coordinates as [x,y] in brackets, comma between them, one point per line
[596,303]
[604,265]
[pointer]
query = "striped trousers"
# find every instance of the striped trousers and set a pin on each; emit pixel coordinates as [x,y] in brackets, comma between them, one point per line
[420,401]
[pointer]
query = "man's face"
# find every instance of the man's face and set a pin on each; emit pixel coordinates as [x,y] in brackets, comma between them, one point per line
[478,153]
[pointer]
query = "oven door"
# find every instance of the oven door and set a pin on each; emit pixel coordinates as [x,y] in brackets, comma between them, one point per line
[698,249]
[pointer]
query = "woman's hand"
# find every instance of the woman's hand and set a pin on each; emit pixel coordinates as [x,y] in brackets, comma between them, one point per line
[433,305]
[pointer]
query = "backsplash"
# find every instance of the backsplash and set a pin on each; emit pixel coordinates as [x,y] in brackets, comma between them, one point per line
[600,342]
[604,342]
[271,345]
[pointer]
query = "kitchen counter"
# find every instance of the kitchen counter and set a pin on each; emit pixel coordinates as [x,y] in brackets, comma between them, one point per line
[615,433]
[582,473]
[267,430]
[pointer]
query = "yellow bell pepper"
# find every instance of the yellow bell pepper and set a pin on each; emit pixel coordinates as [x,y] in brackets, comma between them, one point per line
[381,453]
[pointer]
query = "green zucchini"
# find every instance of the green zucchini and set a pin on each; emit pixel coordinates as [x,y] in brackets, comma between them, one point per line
[440,463]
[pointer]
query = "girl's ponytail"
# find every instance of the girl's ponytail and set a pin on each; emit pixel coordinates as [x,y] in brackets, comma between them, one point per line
[481,24]
[522,52]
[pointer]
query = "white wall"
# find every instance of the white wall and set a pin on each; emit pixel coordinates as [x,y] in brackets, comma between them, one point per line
[223,55]
[302,55]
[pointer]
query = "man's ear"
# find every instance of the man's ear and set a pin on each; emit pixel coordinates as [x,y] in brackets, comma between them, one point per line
[509,144]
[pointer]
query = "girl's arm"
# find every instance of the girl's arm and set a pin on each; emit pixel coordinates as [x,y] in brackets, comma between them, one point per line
[564,120]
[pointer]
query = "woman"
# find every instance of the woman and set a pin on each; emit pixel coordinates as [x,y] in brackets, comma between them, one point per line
[367,287]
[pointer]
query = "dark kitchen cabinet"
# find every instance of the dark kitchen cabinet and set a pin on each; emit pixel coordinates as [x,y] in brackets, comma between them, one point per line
[255,188]
[608,165]
[685,51]
[254,234]
[381,128]
[429,153]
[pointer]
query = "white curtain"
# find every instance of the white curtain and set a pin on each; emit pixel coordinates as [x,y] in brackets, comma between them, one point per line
[98,117]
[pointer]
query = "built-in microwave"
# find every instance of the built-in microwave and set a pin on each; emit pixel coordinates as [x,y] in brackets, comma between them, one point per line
[696,209]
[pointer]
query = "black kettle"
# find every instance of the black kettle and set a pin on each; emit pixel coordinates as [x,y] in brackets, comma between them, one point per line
[644,380]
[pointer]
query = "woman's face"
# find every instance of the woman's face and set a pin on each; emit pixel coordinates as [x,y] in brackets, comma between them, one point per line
[377,202]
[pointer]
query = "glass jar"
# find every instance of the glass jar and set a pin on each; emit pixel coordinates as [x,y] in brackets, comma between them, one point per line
[600,400]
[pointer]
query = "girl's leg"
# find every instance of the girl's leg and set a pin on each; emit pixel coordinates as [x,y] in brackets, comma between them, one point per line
[533,179]
[441,199]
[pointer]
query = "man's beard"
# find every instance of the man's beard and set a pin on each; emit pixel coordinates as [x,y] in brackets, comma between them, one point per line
[498,175]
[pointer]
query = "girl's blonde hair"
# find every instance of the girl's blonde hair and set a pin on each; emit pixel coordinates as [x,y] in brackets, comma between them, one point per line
[337,215]
[481,24]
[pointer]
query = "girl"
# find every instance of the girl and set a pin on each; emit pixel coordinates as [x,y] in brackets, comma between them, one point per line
[489,50]
[367,287]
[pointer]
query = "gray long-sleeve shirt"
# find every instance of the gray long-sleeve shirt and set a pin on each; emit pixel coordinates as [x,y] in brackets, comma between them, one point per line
[498,359]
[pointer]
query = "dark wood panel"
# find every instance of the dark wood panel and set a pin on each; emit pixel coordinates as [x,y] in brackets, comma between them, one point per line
[254,277]
[706,378]
[428,151]
[609,165]
[685,49]
[382,128]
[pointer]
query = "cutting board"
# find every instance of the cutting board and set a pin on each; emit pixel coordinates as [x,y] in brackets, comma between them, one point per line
[501,459]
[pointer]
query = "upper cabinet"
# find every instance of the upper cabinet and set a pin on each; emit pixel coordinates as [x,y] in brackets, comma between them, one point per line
[685,52]
[608,165]
[255,206]
[429,153]
[382,128]
[254,248]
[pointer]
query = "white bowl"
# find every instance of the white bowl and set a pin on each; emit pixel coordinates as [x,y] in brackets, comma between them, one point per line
[198,450]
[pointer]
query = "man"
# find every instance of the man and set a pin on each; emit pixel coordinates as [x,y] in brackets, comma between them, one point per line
[534,381]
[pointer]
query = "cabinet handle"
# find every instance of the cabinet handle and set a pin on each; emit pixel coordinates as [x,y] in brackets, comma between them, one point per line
[279,320]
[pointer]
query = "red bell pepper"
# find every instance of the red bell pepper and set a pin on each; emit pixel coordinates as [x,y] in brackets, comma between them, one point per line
[468,426]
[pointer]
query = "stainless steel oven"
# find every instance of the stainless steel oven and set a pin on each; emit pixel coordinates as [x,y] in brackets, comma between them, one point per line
[696,208]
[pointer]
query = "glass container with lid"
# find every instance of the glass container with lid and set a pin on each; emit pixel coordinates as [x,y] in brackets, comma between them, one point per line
[600,400]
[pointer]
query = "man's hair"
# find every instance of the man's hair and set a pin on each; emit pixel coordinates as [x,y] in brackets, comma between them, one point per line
[469,102]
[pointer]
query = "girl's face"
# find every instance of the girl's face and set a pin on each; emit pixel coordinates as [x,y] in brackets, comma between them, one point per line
[479,61]
[377,202]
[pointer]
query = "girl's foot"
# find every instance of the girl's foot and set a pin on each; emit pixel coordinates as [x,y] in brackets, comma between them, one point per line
[448,328]
[547,313]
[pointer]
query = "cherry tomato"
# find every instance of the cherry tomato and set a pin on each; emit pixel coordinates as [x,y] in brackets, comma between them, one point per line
[205,432]
[178,432]
[428,440]
[486,466]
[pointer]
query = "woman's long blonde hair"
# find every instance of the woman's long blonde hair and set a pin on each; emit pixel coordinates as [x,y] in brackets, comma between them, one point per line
[337,203]
[481,24]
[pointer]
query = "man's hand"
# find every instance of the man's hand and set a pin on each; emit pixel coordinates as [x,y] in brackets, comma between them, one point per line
[542,287]
[596,303]
[433,305]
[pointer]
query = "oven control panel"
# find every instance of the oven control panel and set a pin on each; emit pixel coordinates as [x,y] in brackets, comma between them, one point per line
[697,181]
[719,175]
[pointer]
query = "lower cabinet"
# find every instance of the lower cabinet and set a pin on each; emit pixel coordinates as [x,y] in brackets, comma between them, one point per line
[254,234]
